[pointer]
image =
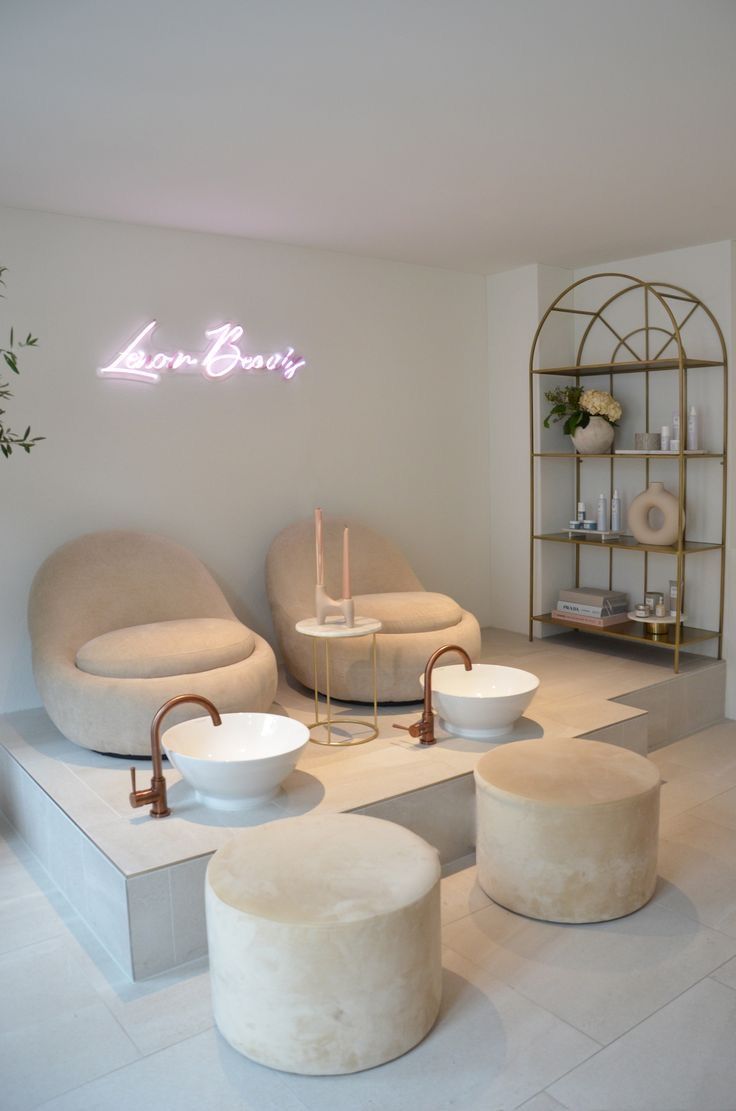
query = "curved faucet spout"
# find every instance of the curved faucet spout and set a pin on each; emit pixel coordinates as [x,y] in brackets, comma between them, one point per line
[156,794]
[424,728]
[430,668]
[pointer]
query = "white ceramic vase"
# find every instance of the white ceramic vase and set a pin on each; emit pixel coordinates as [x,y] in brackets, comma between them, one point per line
[595,439]
[655,497]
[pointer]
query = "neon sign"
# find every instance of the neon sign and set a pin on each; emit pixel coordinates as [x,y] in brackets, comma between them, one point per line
[221,357]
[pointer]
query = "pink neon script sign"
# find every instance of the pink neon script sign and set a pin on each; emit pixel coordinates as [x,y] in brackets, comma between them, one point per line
[220,358]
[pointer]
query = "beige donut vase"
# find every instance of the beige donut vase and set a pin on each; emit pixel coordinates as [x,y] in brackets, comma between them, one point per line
[655,497]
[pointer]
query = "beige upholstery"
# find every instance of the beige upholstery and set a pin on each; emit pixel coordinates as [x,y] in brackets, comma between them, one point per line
[417,611]
[416,622]
[324,942]
[123,583]
[167,648]
[567,828]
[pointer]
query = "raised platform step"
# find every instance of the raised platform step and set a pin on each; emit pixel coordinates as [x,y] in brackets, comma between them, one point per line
[138,883]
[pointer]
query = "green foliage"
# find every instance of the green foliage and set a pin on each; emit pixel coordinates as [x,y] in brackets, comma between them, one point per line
[566,406]
[8,438]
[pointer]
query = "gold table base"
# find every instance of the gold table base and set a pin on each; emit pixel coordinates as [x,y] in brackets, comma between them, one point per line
[329,722]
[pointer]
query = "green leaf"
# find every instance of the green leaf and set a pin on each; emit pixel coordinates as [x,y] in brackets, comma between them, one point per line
[10,360]
[11,337]
[573,422]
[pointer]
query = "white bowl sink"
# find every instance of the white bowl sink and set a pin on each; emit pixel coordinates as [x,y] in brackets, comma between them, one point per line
[237,764]
[482,703]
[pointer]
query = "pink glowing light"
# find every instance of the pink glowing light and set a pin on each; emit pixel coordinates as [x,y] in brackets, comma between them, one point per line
[221,357]
[130,362]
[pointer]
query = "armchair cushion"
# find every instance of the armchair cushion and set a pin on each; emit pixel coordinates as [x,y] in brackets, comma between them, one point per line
[164,648]
[411,611]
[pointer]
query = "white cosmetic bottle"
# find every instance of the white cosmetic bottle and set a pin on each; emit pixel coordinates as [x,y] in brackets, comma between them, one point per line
[692,429]
[602,520]
[675,426]
[616,512]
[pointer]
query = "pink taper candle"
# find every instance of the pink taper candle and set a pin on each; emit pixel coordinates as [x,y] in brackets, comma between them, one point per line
[346,564]
[319,541]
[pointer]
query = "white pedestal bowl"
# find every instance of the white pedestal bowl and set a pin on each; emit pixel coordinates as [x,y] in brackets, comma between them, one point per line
[484,703]
[240,763]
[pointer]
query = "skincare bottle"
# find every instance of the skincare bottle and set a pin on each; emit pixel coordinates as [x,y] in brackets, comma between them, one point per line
[665,437]
[602,519]
[673,597]
[675,426]
[692,429]
[581,511]
[616,512]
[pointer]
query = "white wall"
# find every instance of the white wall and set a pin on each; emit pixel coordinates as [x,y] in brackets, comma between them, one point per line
[709,272]
[512,317]
[388,421]
[516,300]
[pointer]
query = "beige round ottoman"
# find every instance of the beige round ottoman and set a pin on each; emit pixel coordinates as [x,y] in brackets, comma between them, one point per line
[324,941]
[567,829]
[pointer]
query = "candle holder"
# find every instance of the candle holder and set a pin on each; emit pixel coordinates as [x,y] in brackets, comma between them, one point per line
[325,607]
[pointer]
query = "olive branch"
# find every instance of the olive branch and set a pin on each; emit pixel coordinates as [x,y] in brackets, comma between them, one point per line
[8,438]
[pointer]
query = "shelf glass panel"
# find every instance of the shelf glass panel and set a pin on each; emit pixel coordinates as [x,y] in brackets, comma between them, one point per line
[628,455]
[627,543]
[632,630]
[631,367]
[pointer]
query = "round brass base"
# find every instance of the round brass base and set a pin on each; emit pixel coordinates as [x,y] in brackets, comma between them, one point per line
[657,631]
[331,723]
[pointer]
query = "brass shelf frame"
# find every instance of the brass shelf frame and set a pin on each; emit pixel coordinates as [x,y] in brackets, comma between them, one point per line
[625,359]
[629,630]
[631,367]
[629,544]
[689,455]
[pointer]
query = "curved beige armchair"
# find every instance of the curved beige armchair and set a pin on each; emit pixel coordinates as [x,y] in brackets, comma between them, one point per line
[122,621]
[415,621]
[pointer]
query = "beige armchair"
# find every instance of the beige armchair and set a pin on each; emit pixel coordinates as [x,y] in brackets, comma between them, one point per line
[122,621]
[415,621]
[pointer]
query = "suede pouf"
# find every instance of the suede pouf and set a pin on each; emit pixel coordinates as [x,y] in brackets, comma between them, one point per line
[324,942]
[567,829]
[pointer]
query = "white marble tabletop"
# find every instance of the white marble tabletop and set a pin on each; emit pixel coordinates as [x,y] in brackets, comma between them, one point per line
[336,627]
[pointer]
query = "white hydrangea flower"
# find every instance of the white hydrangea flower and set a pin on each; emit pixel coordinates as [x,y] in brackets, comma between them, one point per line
[600,404]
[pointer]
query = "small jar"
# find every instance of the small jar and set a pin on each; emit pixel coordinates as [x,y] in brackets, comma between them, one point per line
[642,610]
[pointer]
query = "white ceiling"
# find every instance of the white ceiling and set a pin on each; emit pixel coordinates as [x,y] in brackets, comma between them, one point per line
[473,134]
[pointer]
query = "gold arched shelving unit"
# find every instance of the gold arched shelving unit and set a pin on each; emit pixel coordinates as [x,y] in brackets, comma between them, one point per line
[646,348]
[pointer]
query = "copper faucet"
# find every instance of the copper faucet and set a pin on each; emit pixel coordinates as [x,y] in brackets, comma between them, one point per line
[156,793]
[424,728]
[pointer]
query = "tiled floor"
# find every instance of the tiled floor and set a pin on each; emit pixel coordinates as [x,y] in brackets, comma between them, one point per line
[638,1013]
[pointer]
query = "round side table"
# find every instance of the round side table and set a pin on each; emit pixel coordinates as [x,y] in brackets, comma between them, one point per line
[333,630]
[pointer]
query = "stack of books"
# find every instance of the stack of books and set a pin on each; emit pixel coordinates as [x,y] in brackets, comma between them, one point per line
[587,605]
